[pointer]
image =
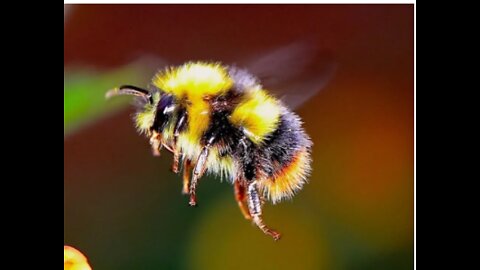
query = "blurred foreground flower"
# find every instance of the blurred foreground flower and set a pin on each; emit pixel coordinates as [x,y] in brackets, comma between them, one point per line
[74,259]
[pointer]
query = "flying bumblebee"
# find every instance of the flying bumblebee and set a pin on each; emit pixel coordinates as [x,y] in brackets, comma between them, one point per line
[223,120]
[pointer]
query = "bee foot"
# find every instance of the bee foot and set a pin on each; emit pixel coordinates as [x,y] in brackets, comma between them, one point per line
[276,236]
[155,152]
[193,201]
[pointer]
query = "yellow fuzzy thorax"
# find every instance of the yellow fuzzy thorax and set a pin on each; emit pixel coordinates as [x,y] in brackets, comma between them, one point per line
[194,80]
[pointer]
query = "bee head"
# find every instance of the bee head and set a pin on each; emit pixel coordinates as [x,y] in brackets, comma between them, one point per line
[153,108]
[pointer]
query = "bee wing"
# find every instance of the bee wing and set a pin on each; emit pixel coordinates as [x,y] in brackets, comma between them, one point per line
[294,73]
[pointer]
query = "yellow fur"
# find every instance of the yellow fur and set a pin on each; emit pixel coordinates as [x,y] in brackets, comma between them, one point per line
[258,115]
[199,119]
[194,79]
[289,180]
[223,166]
[144,119]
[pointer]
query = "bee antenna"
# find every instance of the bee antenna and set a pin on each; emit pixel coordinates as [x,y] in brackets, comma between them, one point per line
[130,90]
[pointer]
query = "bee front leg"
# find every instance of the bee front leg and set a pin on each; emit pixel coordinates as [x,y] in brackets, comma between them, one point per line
[239,188]
[198,171]
[176,158]
[255,208]
[180,125]
[156,143]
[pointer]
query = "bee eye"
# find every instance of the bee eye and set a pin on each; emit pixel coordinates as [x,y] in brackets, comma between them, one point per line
[165,104]
[165,108]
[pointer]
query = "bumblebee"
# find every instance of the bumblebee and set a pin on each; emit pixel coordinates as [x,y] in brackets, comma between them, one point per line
[221,120]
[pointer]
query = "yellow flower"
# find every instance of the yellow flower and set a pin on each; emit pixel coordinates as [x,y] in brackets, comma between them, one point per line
[74,259]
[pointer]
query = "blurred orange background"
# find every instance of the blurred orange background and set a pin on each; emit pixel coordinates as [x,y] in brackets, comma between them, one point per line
[123,208]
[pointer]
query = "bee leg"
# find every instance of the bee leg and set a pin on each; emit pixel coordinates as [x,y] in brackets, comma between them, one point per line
[255,207]
[180,125]
[187,166]
[168,147]
[156,143]
[198,171]
[239,188]
[200,167]
[176,158]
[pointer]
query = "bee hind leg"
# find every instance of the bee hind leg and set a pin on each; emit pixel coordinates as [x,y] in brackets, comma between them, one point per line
[240,197]
[187,166]
[255,208]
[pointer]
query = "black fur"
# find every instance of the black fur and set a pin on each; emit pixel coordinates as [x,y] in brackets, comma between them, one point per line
[276,152]
[283,144]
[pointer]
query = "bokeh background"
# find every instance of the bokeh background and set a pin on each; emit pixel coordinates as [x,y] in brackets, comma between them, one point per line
[123,208]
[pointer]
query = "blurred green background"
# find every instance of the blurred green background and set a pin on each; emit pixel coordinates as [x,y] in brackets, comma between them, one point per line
[123,208]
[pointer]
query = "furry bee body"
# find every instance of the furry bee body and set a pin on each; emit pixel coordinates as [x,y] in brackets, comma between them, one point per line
[218,119]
